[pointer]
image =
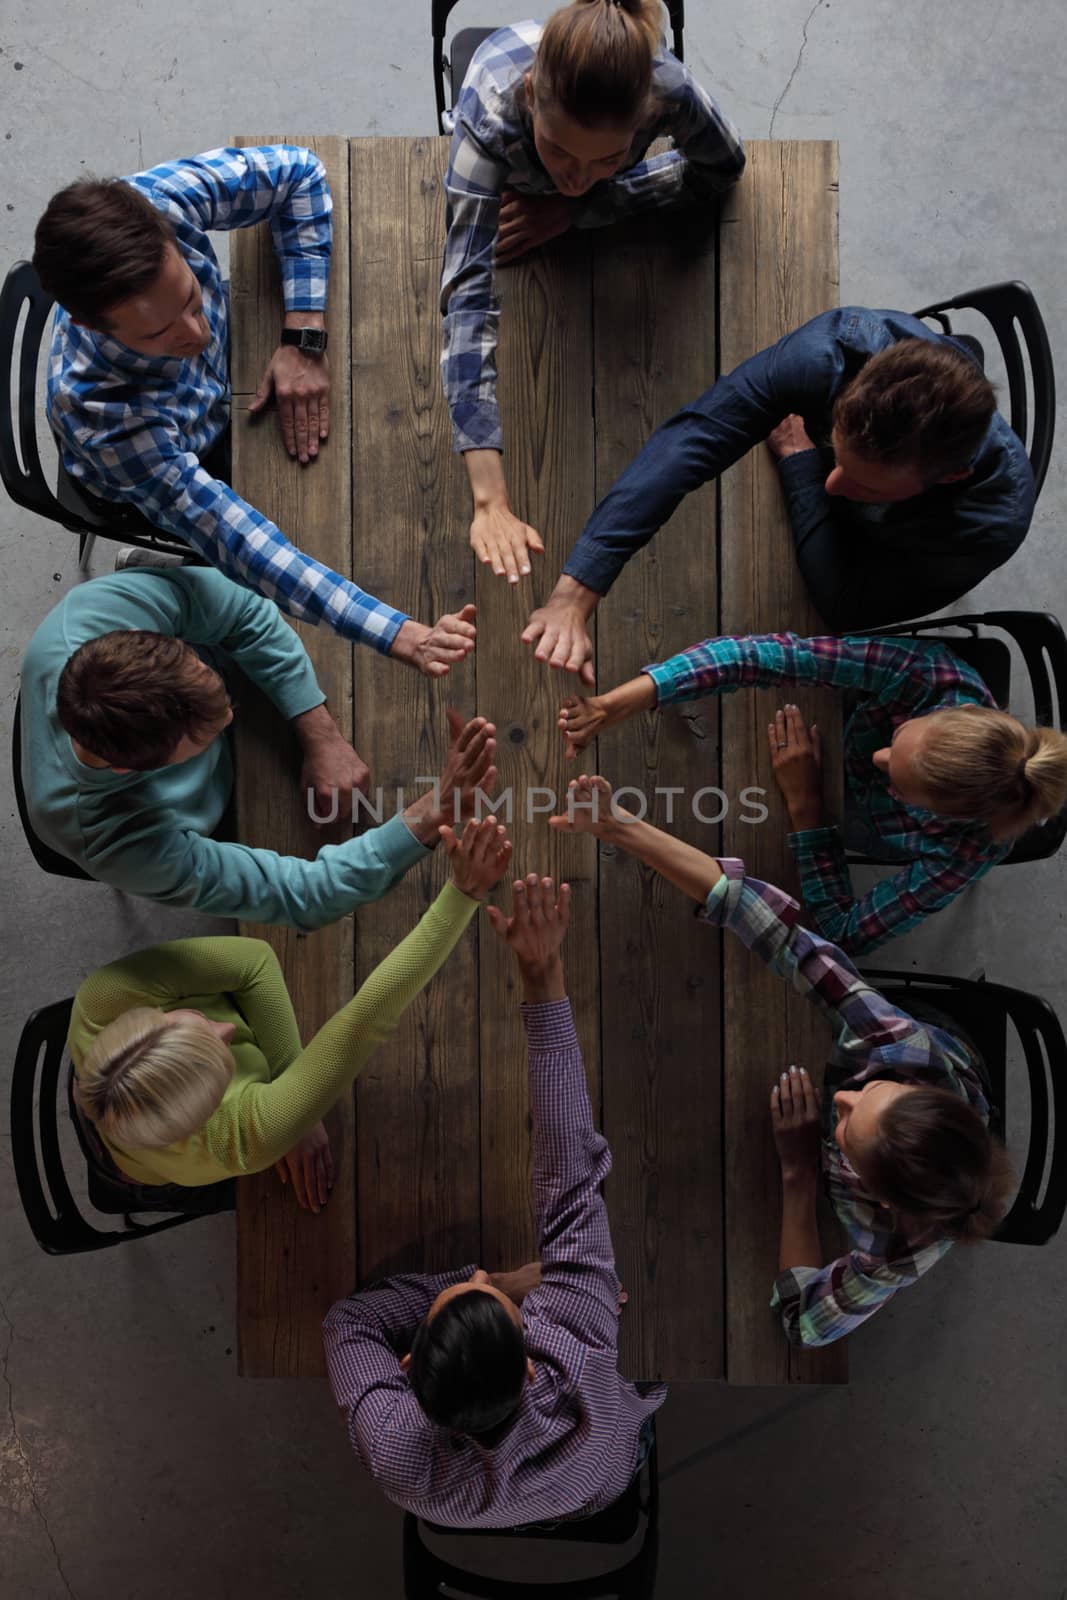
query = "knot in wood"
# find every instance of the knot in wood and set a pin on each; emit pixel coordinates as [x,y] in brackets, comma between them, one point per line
[517,734]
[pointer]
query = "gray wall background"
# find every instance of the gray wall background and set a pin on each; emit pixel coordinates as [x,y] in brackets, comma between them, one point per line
[132,1459]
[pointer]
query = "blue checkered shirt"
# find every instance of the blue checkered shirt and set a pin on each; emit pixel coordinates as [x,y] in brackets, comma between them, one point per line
[132,427]
[493,149]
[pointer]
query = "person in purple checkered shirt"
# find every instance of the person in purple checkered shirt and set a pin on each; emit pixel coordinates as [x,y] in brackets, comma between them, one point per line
[494,1400]
[937,777]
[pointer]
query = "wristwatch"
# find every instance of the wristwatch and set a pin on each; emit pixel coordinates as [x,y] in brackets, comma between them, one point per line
[311,340]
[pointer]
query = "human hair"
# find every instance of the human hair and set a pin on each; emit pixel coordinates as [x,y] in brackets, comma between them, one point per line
[934,1161]
[594,60]
[131,697]
[99,242]
[468,1364]
[920,405]
[979,762]
[148,1082]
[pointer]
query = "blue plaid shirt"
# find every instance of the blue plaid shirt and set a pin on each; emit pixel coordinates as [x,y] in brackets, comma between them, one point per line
[871,1039]
[891,681]
[493,149]
[132,427]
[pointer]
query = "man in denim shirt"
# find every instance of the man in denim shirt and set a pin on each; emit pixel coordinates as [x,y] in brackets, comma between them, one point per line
[905,487]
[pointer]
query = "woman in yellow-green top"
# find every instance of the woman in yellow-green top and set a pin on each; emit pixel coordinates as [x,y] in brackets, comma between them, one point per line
[188,1057]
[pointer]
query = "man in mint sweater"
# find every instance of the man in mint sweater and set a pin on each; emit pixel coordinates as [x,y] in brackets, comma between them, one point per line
[126,773]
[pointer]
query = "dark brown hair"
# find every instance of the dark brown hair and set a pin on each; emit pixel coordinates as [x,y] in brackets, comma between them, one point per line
[130,698]
[919,405]
[934,1161]
[982,763]
[98,243]
[594,60]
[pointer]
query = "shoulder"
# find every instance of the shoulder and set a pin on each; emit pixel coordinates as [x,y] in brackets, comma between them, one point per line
[488,105]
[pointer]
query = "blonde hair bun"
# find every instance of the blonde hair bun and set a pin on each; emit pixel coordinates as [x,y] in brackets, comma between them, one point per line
[148,1081]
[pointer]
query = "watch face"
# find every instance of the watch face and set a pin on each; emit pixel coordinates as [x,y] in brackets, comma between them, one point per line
[313,340]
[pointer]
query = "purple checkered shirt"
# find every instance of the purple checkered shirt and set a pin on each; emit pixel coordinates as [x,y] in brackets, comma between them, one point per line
[572,1446]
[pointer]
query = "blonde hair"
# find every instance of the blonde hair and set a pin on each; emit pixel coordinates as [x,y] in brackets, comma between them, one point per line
[594,60]
[148,1082]
[982,763]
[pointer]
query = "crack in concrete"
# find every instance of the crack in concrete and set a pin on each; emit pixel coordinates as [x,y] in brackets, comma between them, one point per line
[20,1448]
[796,64]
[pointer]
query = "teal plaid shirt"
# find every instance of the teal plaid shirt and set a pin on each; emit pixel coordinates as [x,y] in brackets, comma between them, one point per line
[871,1038]
[891,681]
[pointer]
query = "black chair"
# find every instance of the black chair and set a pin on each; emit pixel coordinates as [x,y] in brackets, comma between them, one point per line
[1043,645]
[425,1573]
[47,859]
[462,46]
[983,1011]
[1010,308]
[21,471]
[51,1210]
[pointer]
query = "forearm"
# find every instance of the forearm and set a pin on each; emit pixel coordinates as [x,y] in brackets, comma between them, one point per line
[682,864]
[619,705]
[485,474]
[542,985]
[800,1245]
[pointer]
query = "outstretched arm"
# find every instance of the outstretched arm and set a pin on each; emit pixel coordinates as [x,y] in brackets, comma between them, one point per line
[579,1288]
[590,810]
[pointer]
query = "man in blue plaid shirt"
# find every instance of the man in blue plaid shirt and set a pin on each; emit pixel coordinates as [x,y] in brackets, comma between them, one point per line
[139,391]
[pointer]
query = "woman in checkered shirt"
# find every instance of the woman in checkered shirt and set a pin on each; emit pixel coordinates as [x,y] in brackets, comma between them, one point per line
[551,131]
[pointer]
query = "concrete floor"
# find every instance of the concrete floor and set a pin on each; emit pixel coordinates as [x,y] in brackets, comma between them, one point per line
[132,1460]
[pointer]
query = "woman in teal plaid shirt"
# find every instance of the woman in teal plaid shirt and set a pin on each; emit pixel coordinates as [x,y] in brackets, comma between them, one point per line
[937,777]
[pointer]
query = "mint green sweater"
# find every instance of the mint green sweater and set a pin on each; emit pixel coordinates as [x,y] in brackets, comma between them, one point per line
[278,1090]
[147,832]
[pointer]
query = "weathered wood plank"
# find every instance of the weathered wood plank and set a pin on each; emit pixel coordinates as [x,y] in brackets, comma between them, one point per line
[292,1265]
[778,267]
[660,969]
[418,1100]
[546,363]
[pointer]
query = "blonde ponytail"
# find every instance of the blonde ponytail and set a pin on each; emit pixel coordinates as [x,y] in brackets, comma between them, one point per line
[982,763]
[149,1082]
[594,61]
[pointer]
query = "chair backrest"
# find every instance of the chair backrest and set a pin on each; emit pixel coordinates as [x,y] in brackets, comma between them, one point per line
[1011,309]
[47,859]
[20,458]
[984,1010]
[425,1571]
[51,1210]
[454,71]
[1043,646]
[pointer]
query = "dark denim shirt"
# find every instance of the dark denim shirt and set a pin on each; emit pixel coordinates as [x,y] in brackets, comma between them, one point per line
[932,547]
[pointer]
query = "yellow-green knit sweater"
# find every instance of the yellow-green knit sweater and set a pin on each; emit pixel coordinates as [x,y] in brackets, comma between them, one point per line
[278,1090]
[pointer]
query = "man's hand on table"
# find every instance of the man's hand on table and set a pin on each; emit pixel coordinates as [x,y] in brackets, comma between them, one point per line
[310,1166]
[529,220]
[434,651]
[301,387]
[331,766]
[558,629]
[789,438]
[796,756]
[469,767]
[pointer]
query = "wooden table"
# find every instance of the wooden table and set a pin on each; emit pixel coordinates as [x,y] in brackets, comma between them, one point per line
[602,337]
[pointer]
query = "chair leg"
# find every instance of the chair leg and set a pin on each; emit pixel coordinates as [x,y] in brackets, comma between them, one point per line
[85,550]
